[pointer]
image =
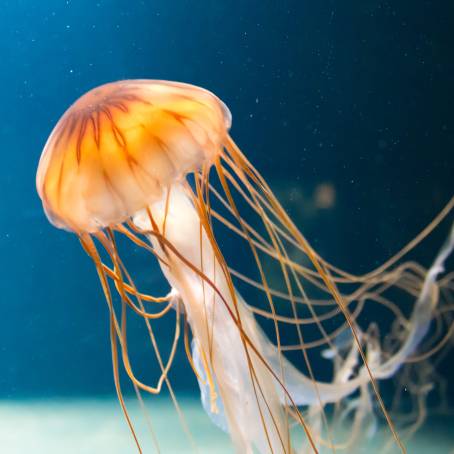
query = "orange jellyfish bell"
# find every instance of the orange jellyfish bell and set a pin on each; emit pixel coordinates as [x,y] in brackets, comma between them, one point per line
[120,145]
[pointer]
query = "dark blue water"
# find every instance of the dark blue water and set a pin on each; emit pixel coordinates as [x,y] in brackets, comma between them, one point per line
[355,94]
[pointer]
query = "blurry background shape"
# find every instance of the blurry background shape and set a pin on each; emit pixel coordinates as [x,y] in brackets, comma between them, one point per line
[324,196]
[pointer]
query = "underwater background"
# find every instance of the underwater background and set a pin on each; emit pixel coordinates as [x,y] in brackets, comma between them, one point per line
[345,107]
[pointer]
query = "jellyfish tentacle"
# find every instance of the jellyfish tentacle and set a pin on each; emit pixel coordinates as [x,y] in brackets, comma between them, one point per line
[255,175]
[122,339]
[269,297]
[281,256]
[123,287]
[230,310]
[150,389]
[208,331]
[256,385]
[90,248]
[147,417]
[145,297]
[113,341]
[387,368]
[243,164]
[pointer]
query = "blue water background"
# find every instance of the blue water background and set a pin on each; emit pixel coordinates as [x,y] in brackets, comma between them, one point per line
[356,94]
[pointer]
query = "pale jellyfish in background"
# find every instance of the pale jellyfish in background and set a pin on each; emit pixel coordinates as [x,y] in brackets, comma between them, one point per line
[133,159]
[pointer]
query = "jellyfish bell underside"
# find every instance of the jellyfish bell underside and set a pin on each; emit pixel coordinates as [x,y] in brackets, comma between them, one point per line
[152,162]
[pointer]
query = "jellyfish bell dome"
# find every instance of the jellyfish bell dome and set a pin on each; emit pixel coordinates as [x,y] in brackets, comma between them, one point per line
[119,146]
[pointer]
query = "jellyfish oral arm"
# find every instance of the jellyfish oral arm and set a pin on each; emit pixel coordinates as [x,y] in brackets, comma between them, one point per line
[238,391]
[303,391]
[421,317]
[229,377]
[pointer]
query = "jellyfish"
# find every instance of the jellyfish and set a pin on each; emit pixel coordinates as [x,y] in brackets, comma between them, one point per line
[152,163]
